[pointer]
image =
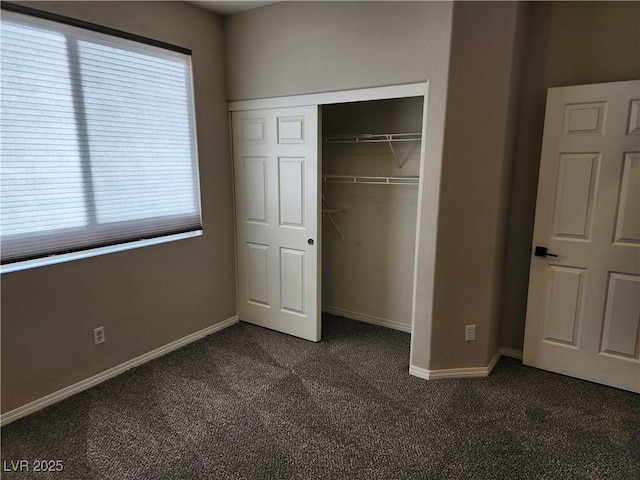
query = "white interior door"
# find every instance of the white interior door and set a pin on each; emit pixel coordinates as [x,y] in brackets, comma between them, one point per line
[276,165]
[583,310]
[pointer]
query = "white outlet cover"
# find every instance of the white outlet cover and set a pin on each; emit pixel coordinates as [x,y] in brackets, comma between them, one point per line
[470,333]
[98,335]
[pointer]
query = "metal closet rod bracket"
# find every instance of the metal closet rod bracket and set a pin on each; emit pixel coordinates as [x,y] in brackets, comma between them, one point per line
[327,212]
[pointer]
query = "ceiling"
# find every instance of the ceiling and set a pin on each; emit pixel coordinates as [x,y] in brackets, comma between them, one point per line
[226,7]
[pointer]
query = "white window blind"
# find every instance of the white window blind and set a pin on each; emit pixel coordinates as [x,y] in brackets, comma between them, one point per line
[98,140]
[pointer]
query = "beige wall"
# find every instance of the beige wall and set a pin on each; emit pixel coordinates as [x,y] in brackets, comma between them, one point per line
[144,298]
[475,184]
[568,43]
[307,47]
[302,47]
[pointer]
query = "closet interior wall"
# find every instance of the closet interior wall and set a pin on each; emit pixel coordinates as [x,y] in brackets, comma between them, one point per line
[368,254]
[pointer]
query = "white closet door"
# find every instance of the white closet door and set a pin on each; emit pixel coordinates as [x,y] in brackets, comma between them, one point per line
[583,311]
[275,154]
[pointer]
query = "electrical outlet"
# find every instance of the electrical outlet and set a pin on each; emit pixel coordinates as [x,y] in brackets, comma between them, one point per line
[98,335]
[470,333]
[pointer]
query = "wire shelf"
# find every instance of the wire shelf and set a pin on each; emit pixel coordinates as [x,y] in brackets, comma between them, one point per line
[370,180]
[373,138]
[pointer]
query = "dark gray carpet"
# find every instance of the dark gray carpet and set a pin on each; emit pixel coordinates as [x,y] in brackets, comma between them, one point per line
[249,403]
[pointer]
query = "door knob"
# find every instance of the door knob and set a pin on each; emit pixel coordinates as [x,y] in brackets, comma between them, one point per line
[310,241]
[542,252]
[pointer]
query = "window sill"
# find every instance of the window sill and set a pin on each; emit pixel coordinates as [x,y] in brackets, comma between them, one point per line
[94,252]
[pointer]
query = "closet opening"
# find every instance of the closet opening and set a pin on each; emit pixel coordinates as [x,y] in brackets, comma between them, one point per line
[370,153]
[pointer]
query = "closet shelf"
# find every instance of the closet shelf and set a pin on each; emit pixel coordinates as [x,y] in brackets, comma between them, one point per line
[373,137]
[388,138]
[368,180]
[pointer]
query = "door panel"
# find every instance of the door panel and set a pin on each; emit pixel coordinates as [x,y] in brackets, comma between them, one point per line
[576,186]
[628,220]
[292,280]
[634,117]
[583,310]
[257,273]
[276,169]
[564,299]
[291,188]
[255,189]
[622,314]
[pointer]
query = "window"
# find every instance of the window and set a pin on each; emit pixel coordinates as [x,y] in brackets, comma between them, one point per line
[98,139]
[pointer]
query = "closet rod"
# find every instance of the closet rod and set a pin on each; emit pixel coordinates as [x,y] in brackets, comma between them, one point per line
[368,180]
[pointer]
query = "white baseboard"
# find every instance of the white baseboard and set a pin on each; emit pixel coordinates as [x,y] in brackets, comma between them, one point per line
[466,372]
[363,317]
[511,353]
[66,392]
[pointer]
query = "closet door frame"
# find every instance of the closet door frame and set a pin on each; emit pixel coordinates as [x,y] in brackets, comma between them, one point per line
[428,186]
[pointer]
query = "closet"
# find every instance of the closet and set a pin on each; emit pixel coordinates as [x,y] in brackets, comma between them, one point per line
[370,175]
[326,190]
